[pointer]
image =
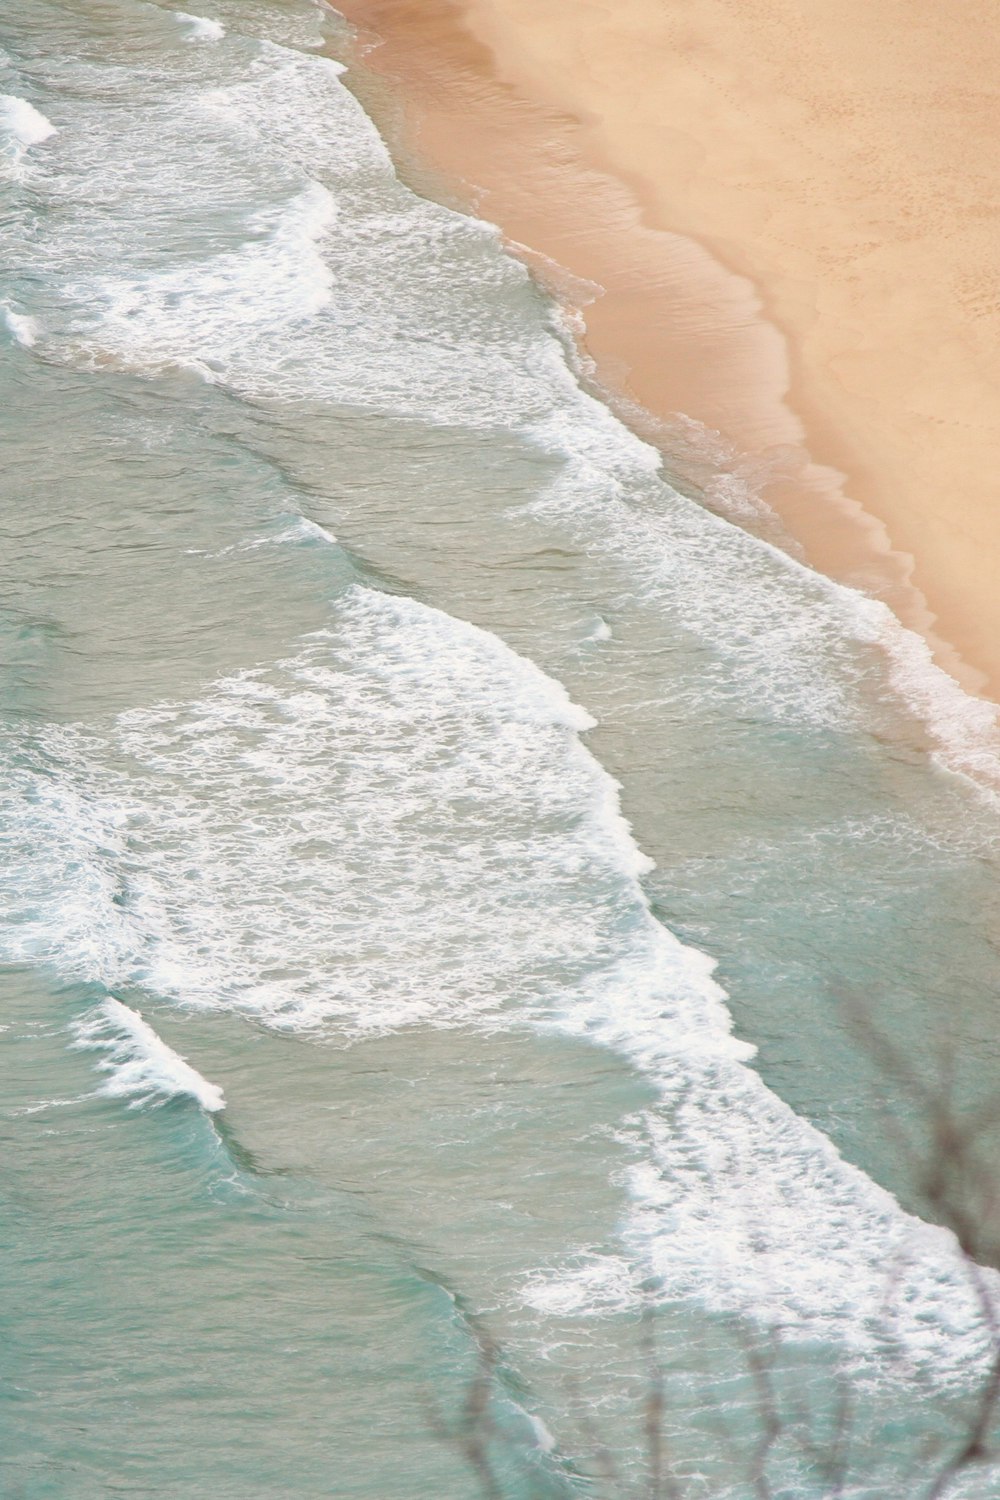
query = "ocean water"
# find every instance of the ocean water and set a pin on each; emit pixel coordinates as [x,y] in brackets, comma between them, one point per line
[443,865]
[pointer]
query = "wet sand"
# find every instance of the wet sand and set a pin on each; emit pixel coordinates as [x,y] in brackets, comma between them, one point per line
[780,225]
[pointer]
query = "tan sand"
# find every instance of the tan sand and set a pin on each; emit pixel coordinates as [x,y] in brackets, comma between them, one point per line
[791,206]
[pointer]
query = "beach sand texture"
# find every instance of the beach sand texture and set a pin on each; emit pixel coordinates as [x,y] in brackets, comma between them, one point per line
[792,210]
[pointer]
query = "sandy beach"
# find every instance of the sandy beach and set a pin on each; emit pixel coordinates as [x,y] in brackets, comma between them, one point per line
[791,217]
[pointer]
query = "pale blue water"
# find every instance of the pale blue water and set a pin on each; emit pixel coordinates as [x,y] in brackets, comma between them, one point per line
[332,605]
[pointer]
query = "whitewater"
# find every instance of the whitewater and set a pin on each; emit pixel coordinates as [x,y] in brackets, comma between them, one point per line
[441,859]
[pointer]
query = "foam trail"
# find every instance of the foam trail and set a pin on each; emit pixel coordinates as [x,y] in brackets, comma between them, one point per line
[139,1064]
[200,28]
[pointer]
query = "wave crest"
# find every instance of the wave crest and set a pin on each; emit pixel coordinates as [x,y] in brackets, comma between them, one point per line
[139,1065]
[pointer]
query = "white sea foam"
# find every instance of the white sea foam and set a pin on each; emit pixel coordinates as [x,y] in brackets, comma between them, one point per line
[795,646]
[404,746]
[745,1207]
[22,127]
[65,849]
[224,306]
[20,120]
[267,312]
[399,825]
[200,28]
[22,328]
[385,747]
[314,531]
[964,728]
[139,1065]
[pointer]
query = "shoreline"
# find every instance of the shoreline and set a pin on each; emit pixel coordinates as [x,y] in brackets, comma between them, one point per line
[673,323]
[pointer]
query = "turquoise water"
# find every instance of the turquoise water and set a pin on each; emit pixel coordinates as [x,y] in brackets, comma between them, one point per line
[383,735]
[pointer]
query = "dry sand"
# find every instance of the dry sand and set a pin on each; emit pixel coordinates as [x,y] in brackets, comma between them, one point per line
[792,211]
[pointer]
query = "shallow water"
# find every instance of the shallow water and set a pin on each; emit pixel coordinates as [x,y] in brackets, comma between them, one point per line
[351,1029]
